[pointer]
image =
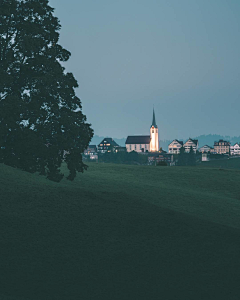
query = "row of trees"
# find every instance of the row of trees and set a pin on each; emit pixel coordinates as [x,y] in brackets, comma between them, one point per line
[123,158]
[183,159]
[186,159]
[40,114]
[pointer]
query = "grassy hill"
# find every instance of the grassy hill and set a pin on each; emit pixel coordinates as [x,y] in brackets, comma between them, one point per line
[121,232]
[232,163]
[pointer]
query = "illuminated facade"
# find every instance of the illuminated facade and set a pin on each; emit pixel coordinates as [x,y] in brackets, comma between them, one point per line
[154,143]
[138,143]
[235,149]
[175,146]
[107,145]
[222,147]
[190,143]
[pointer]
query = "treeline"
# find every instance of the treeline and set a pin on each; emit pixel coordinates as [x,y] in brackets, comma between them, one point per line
[187,159]
[123,158]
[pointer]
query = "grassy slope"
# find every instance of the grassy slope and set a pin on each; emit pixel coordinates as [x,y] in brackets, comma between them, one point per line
[232,163]
[121,232]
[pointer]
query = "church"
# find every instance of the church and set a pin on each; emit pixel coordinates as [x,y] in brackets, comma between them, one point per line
[144,143]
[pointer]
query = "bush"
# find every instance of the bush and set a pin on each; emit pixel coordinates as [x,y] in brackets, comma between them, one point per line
[162,163]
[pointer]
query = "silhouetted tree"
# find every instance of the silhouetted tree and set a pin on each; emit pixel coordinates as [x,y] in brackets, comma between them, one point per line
[182,158]
[186,159]
[191,161]
[123,157]
[40,114]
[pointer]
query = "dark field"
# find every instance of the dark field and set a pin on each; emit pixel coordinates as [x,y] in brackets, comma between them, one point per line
[121,232]
[232,163]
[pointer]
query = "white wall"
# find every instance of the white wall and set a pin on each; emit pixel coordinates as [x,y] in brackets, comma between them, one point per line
[188,146]
[154,143]
[235,150]
[137,147]
[175,147]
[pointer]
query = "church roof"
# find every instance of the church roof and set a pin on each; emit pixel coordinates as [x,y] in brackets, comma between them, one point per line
[138,139]
[154,120]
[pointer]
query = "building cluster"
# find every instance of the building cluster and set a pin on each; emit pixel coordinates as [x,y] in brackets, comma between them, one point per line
[149,144]
[175,146]
[143,144]
[220,147]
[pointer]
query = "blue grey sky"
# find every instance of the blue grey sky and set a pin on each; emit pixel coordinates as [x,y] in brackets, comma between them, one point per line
[183,57]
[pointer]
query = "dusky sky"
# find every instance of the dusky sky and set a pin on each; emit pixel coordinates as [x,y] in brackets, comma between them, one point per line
[183,57]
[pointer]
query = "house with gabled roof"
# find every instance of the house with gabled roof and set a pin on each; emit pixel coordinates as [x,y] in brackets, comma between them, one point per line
[175,146]
[206,149]
[235,149]
[190,143]
[91,152]
[91,149]
[107,145]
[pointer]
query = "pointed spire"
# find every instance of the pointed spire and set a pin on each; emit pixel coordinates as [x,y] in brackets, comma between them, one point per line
[154,120]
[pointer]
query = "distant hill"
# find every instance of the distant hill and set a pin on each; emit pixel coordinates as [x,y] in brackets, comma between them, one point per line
[203,139]
[209,139]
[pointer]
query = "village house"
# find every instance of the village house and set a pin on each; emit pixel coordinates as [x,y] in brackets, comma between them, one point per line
[144,143]
[235,149]
[190,143]
[222,147]
[206,149]
[175,146]
[107,145]
[91,152]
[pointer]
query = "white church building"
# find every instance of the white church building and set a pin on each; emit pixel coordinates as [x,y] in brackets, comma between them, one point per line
[144,143]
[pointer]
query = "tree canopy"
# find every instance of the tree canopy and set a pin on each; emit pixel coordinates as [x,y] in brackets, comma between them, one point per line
[40,115]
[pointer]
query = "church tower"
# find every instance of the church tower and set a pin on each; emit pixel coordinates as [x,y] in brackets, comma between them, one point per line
[154,144]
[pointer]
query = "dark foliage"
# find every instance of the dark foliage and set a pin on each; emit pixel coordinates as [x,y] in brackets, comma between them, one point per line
[123,158]
[218,156]
[40,115]
[191,157]
[186,159]
[162,164]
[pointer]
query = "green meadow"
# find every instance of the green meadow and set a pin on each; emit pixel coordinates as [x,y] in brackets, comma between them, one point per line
[122,232]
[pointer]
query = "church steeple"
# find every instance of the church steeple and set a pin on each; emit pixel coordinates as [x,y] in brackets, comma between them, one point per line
[154,143]
[154,120]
